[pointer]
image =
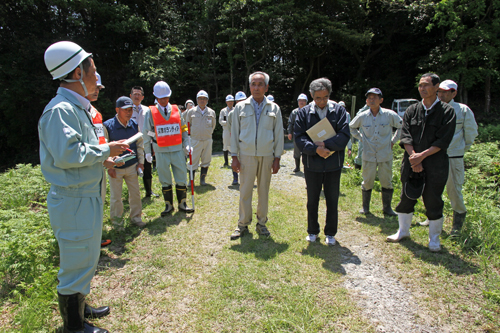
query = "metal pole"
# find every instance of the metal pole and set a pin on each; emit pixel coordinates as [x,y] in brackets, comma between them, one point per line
[191,165]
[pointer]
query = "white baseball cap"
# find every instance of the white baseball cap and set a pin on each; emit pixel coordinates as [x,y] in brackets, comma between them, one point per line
[302,96]
[229,98]
[99,82]
[161,89]
[201,93]
[240,95]
[448,85]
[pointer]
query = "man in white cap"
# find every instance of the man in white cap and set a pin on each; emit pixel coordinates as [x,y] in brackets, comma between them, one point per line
[349,144]
[71,160]
[187,106]
[377,124]
[165,127]
[226,137]
[465,133]
[118,128]
[239,97]
[202,120]
[427,131]
[137,95]
[256,146]
[301,101]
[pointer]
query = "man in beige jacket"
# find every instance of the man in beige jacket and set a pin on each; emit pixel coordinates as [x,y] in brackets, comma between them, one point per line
[257,140]
[202,120]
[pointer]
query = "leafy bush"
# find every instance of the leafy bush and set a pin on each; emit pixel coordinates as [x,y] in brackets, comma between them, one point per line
[488,132]
[22,187]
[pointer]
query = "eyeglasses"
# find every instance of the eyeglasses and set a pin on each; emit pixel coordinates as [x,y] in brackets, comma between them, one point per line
[321,99]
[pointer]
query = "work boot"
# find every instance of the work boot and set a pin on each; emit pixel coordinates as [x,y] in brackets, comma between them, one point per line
[297,165]
[226,160]
[404,228]
[189,183]
[181,199]
[168,196]
[93,313]
[72,308]
[458,221]
[148,190]
[435,228]
[366,201]
[357,166]
[425,223]
[203,175]
[235,178]
[239,232]
[386,201]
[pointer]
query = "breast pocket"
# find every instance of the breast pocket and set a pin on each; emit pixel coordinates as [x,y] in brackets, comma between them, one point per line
[269,119]
[385,129]
[367,129]
[209,121]
[246,120]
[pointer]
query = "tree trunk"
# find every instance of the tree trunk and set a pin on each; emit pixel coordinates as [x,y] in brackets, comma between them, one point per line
[487,94]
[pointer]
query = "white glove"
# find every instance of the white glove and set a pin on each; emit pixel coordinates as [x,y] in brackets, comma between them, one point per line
[149,158]
[189,149]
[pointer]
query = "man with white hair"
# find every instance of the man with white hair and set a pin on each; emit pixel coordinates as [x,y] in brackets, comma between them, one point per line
[202,121]
[301,101]
[167,130]
[465,133]
[257,140]
[226,137]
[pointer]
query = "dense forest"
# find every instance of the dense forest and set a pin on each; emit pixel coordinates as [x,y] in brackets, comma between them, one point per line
[215,44]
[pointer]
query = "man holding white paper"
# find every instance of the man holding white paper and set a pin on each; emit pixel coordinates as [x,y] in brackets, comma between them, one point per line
[323,156]
[377,138]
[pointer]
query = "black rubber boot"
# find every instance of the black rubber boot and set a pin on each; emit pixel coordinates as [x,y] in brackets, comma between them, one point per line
[72,309]
[226,158]
[203,175]
[297,165]
[93,313]
[235,178]
[387,200]
[194,176]
[148,190]
[357,166]
[168,196]
[366,201]
[181,192]
[458,221]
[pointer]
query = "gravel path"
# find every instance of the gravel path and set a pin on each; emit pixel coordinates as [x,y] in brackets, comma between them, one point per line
[388,304]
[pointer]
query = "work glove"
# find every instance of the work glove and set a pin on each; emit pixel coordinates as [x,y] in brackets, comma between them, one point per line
[189,149]
[149,158]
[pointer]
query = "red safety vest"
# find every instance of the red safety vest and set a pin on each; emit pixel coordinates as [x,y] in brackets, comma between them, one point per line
[168,132]
[97,121]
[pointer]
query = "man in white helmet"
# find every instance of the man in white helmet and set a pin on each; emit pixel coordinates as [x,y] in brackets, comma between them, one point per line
[257,140]
[165,127]
[71,160]
[202,120]
[301,101]
[226,137]
[465,133]
[239,97]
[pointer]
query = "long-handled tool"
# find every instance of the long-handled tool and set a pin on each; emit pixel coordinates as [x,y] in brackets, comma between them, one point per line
[191,165]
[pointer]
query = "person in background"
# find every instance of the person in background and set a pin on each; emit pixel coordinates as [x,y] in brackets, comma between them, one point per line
[301,101]
[323,161]
[165,127]
[202,121]
[349,144]
[226,137]
[257,140]
[465,133]
[117,128]
[71,160]
[239,97]
[377,124]
[139,114]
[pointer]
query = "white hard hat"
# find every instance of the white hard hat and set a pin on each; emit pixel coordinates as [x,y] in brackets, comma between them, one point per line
[187,102]
[302,96]
[63,57]
[270,98]
[161,89]
[229,98]
[201,93]
[99,82]
[240,95]
[341,103]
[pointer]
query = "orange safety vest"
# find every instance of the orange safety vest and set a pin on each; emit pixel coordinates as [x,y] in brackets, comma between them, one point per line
[168,132]
[99,127]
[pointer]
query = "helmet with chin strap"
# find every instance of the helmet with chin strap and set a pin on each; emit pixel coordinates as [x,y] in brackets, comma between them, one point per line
[62,58]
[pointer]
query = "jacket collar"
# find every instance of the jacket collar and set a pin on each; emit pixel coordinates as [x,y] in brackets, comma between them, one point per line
[74,98]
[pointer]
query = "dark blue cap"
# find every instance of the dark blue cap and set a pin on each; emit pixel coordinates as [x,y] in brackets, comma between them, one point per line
[124,102]
[376,91]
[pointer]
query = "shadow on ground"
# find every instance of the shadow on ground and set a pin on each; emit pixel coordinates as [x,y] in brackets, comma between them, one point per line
[334,256]
[262,247]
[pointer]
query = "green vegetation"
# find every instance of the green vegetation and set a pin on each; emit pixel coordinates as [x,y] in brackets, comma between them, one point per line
[184,274]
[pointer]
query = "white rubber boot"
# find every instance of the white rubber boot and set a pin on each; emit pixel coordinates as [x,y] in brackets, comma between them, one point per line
[404,228]
[425,223]
[435,228]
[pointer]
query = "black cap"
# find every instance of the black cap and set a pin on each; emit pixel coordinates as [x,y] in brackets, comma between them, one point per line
[376,91]
[124,102]
[415,185]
